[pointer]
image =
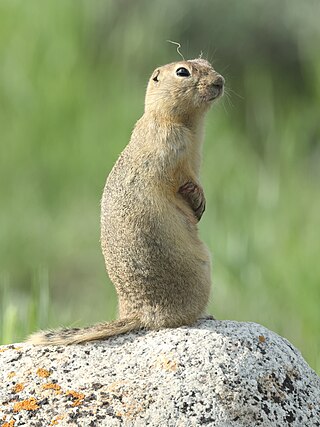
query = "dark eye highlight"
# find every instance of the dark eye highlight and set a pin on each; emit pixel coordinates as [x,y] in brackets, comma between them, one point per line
[182,72]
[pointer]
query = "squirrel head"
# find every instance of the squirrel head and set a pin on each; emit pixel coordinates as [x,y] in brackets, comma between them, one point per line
[183,90]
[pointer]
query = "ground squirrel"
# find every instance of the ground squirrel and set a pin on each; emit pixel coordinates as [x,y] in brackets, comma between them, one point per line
[151,204]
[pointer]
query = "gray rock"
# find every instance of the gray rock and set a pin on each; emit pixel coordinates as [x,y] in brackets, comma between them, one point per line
[214,373]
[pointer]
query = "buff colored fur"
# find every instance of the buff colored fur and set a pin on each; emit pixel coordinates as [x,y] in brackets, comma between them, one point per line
[150,207]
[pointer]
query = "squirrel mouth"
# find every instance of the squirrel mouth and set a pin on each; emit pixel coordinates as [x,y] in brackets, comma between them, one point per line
[217,92]
[216,96]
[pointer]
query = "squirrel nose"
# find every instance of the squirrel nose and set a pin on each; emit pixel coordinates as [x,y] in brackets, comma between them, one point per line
[218,82]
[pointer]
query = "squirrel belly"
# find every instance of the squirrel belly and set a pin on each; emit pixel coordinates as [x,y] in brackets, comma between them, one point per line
[153,255]
[160,268]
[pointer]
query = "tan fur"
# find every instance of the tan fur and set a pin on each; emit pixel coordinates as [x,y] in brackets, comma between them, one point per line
[150,207]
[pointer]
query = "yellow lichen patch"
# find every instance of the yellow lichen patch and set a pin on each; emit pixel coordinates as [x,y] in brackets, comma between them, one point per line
[129,401]
[52,386]
[26,405]
[262,338]
[9,424]
[11,374]
[116,387]
[17,388]
[167,362]
[10,348]
[56,419]
[131,409]
[43,373]
[77,397]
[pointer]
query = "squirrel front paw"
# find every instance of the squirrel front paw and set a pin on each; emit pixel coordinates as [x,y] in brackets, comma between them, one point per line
[194,196]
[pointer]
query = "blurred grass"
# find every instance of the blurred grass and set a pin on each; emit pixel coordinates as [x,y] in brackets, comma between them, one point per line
[72,82]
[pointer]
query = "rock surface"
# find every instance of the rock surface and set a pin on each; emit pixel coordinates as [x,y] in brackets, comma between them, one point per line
[214,373]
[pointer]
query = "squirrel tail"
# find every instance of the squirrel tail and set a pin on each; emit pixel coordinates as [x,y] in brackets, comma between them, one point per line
[96,332]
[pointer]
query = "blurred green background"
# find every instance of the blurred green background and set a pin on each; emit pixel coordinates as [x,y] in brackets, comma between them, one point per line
[72,82]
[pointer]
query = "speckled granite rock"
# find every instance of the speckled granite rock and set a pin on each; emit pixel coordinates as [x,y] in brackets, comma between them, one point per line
[214,373]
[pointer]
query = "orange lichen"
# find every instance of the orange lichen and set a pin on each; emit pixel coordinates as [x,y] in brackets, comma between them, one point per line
[52,386]
[26,405]
[9,424]
[56,419]
[3,349]
[43,373]
[262,338]
[17,388]
[78,397]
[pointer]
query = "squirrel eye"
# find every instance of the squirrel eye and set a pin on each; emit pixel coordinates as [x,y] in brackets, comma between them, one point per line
[155,76]
[182,72]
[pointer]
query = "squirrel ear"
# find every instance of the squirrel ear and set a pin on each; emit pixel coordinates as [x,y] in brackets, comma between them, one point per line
[155,76]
